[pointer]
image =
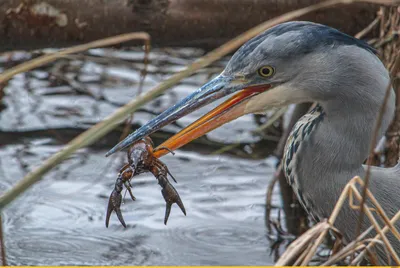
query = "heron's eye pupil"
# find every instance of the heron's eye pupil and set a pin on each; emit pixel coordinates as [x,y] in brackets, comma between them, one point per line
[266,71]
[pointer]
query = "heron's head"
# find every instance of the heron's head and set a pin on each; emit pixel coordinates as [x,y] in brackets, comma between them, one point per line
[275,68]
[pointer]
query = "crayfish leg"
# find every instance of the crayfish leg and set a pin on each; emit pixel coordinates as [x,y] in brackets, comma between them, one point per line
[128,186]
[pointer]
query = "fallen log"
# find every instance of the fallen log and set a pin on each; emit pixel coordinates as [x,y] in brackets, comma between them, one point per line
[35,24]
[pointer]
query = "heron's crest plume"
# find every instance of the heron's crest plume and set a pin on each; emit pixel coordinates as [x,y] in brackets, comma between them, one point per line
[288,41]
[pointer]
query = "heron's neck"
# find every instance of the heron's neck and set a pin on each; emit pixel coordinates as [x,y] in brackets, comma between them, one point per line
[328,146]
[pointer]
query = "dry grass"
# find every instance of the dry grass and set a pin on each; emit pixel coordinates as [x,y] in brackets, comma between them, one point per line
[45,59]
[3,259]
[303,249]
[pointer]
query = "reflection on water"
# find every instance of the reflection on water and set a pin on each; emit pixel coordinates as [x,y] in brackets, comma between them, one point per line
[60,221]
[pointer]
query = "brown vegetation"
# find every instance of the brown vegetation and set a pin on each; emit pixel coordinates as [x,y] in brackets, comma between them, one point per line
[36,24]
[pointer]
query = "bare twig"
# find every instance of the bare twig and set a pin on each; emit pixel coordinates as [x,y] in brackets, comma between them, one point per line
[303,255]
[226,148]
[274,117]
[371,244]
[143,74]
[368,212]
[344,252]
[3,258]
[32,64]
[373,144]
[297,246]
[270,190]
[305,251]
[367,29]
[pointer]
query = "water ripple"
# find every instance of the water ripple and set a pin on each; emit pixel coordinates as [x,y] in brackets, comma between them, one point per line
[60,220]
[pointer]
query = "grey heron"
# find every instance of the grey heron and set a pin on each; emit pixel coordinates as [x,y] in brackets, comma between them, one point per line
[297,62]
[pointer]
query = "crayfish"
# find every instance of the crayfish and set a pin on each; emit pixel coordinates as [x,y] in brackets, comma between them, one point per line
[140,160]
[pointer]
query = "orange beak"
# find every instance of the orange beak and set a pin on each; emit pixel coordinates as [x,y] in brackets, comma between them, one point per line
[217,88]
[229,110]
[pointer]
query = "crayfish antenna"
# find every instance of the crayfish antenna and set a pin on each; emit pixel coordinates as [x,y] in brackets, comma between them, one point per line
[171,176]
[164,148]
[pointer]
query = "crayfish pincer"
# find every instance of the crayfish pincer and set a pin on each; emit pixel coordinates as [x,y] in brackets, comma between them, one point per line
[140,160]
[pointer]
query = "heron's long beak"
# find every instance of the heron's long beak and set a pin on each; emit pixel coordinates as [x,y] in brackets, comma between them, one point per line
[217,88]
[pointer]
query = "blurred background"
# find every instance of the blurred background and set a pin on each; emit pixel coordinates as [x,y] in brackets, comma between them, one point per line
[223,178]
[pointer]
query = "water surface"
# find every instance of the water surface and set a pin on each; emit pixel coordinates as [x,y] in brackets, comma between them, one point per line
[60,220]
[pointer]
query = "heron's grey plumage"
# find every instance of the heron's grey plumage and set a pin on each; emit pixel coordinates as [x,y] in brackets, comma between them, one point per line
[327,147]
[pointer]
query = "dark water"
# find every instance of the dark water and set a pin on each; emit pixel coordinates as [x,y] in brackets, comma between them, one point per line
[60,221]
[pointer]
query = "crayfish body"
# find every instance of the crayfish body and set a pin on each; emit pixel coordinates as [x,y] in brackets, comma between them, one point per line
[140,160]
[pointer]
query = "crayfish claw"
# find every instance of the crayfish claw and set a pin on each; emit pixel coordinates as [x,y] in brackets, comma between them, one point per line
[109,210]
[171,196]
[180,205]
[114,204]
[141,159]
[167,212]
[119,215]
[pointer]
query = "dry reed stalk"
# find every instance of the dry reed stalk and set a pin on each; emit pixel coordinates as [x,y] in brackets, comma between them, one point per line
[369,28]
[371,244]
[3,259]
[270,190]
[48,58]
[331,220]
[307,245]
[373,143]
[344,252]
[143,74]
[297,246]
[271,120]
[388,48]
[302,256]
[395,67]
[379,209]
[376,226]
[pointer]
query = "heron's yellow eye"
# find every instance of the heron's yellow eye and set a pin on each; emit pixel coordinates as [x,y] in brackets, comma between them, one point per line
[266,71]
